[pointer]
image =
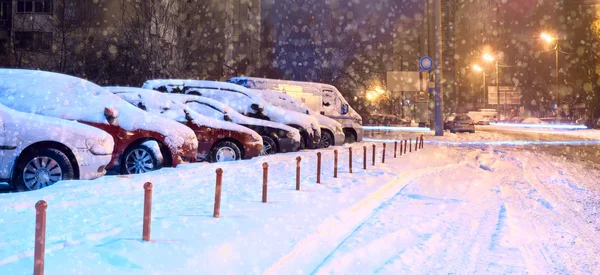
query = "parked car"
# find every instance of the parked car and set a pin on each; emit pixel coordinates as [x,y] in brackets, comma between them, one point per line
[143,142]
[277,138]
[38,151]
[245,102]
[448,122]
[332,133]
[462,123]
[218,141]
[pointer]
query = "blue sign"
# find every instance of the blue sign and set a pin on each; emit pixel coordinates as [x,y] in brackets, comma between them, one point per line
[426,63]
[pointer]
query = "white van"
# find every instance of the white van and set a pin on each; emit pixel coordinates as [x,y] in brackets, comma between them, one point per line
[484,116]
[322,98]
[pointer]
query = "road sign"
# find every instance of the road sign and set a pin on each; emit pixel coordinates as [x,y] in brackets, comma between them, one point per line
[426,63]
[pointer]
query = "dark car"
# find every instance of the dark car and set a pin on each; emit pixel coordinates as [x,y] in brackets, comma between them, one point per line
[448,122]
[218,141]
[277,138]
[462,123]
[143,142]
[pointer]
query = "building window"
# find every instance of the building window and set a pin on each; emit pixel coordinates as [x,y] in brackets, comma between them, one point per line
[5,9]
[33,40]
[35,6]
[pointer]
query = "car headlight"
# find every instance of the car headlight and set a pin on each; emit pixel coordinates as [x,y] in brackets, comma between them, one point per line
[100,147]
[339,129]
[289,135]
[256,138]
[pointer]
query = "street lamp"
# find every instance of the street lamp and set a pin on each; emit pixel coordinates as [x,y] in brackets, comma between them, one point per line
[550,40]
[477,68]
[490,58]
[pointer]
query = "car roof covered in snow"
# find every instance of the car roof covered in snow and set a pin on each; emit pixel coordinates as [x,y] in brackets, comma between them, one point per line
[72,98]
[162,104]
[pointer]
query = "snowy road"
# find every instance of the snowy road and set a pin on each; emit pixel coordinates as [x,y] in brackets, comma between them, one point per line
[492,213]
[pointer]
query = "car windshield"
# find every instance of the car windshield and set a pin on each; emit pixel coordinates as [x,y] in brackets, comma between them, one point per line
[462,118]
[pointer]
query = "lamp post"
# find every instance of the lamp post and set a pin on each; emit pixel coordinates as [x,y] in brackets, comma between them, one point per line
[490,58]
[550,39]
[477,68]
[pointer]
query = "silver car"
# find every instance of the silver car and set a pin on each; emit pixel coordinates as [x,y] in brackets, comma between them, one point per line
[462,123]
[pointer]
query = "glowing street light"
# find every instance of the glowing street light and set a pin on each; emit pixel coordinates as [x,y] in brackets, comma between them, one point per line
[477,68]
[550,40]
[489,58]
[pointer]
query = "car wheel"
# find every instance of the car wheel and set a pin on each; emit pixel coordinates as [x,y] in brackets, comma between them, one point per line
[43,168]
[472,131]
[141,159]
[225,151]
[326,139]
[269,146]
[350,137]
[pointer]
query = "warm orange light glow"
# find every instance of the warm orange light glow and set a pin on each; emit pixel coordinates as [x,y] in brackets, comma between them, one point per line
[477,68]
[488,57]
[548,38]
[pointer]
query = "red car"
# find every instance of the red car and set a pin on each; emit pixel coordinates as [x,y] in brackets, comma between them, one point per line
[143,142]
[218,141]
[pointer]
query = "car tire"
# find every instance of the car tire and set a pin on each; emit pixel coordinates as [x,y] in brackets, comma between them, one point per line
[472,132]
[44,167]
[350,137]
[326,139]
[141,159]
[269,146]
[225,151]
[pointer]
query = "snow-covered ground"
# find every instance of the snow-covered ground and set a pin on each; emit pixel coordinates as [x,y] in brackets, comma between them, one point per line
[439,210]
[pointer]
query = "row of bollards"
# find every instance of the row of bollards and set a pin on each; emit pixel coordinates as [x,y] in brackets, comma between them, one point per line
[41,206]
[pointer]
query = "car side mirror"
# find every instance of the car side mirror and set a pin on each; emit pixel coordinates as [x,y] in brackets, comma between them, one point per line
[226,117]
[345,108]
[188,116]
[111,115]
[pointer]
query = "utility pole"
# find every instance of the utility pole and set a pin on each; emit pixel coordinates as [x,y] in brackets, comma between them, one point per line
[557,88]
[439,126]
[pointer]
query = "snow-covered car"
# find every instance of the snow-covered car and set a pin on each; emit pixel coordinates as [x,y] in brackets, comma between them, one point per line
[462,123]
[332,132]
[245,102]
[277,138]
[218,141]
[143,142]
[38,151]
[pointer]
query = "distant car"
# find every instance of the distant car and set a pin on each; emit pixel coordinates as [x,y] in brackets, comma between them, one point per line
[448,122]
[462,123]
[38,151]
[277,138]
[218,141]
[143,142]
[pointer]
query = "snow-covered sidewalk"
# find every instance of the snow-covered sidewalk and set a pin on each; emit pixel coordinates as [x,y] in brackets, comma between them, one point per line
[439,210]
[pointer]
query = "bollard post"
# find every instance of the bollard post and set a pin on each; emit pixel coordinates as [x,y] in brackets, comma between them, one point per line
[319,167]
[401,148]
[416,144]
[422,142]
[218,185]
[335,163]
[374,148]
[410,145]
[147,211]
[40,237]
[365,158]
[383,155]
[298,160]
[265,180]
[405,145]
[395,148]
[350,160]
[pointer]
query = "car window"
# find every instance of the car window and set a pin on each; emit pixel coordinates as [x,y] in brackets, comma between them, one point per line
[462,118]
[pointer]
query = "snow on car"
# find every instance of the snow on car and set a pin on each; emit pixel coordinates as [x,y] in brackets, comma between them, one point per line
[218,141]
[143,142]
[277,138]
[332,132]
[244,101]
[38,151]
